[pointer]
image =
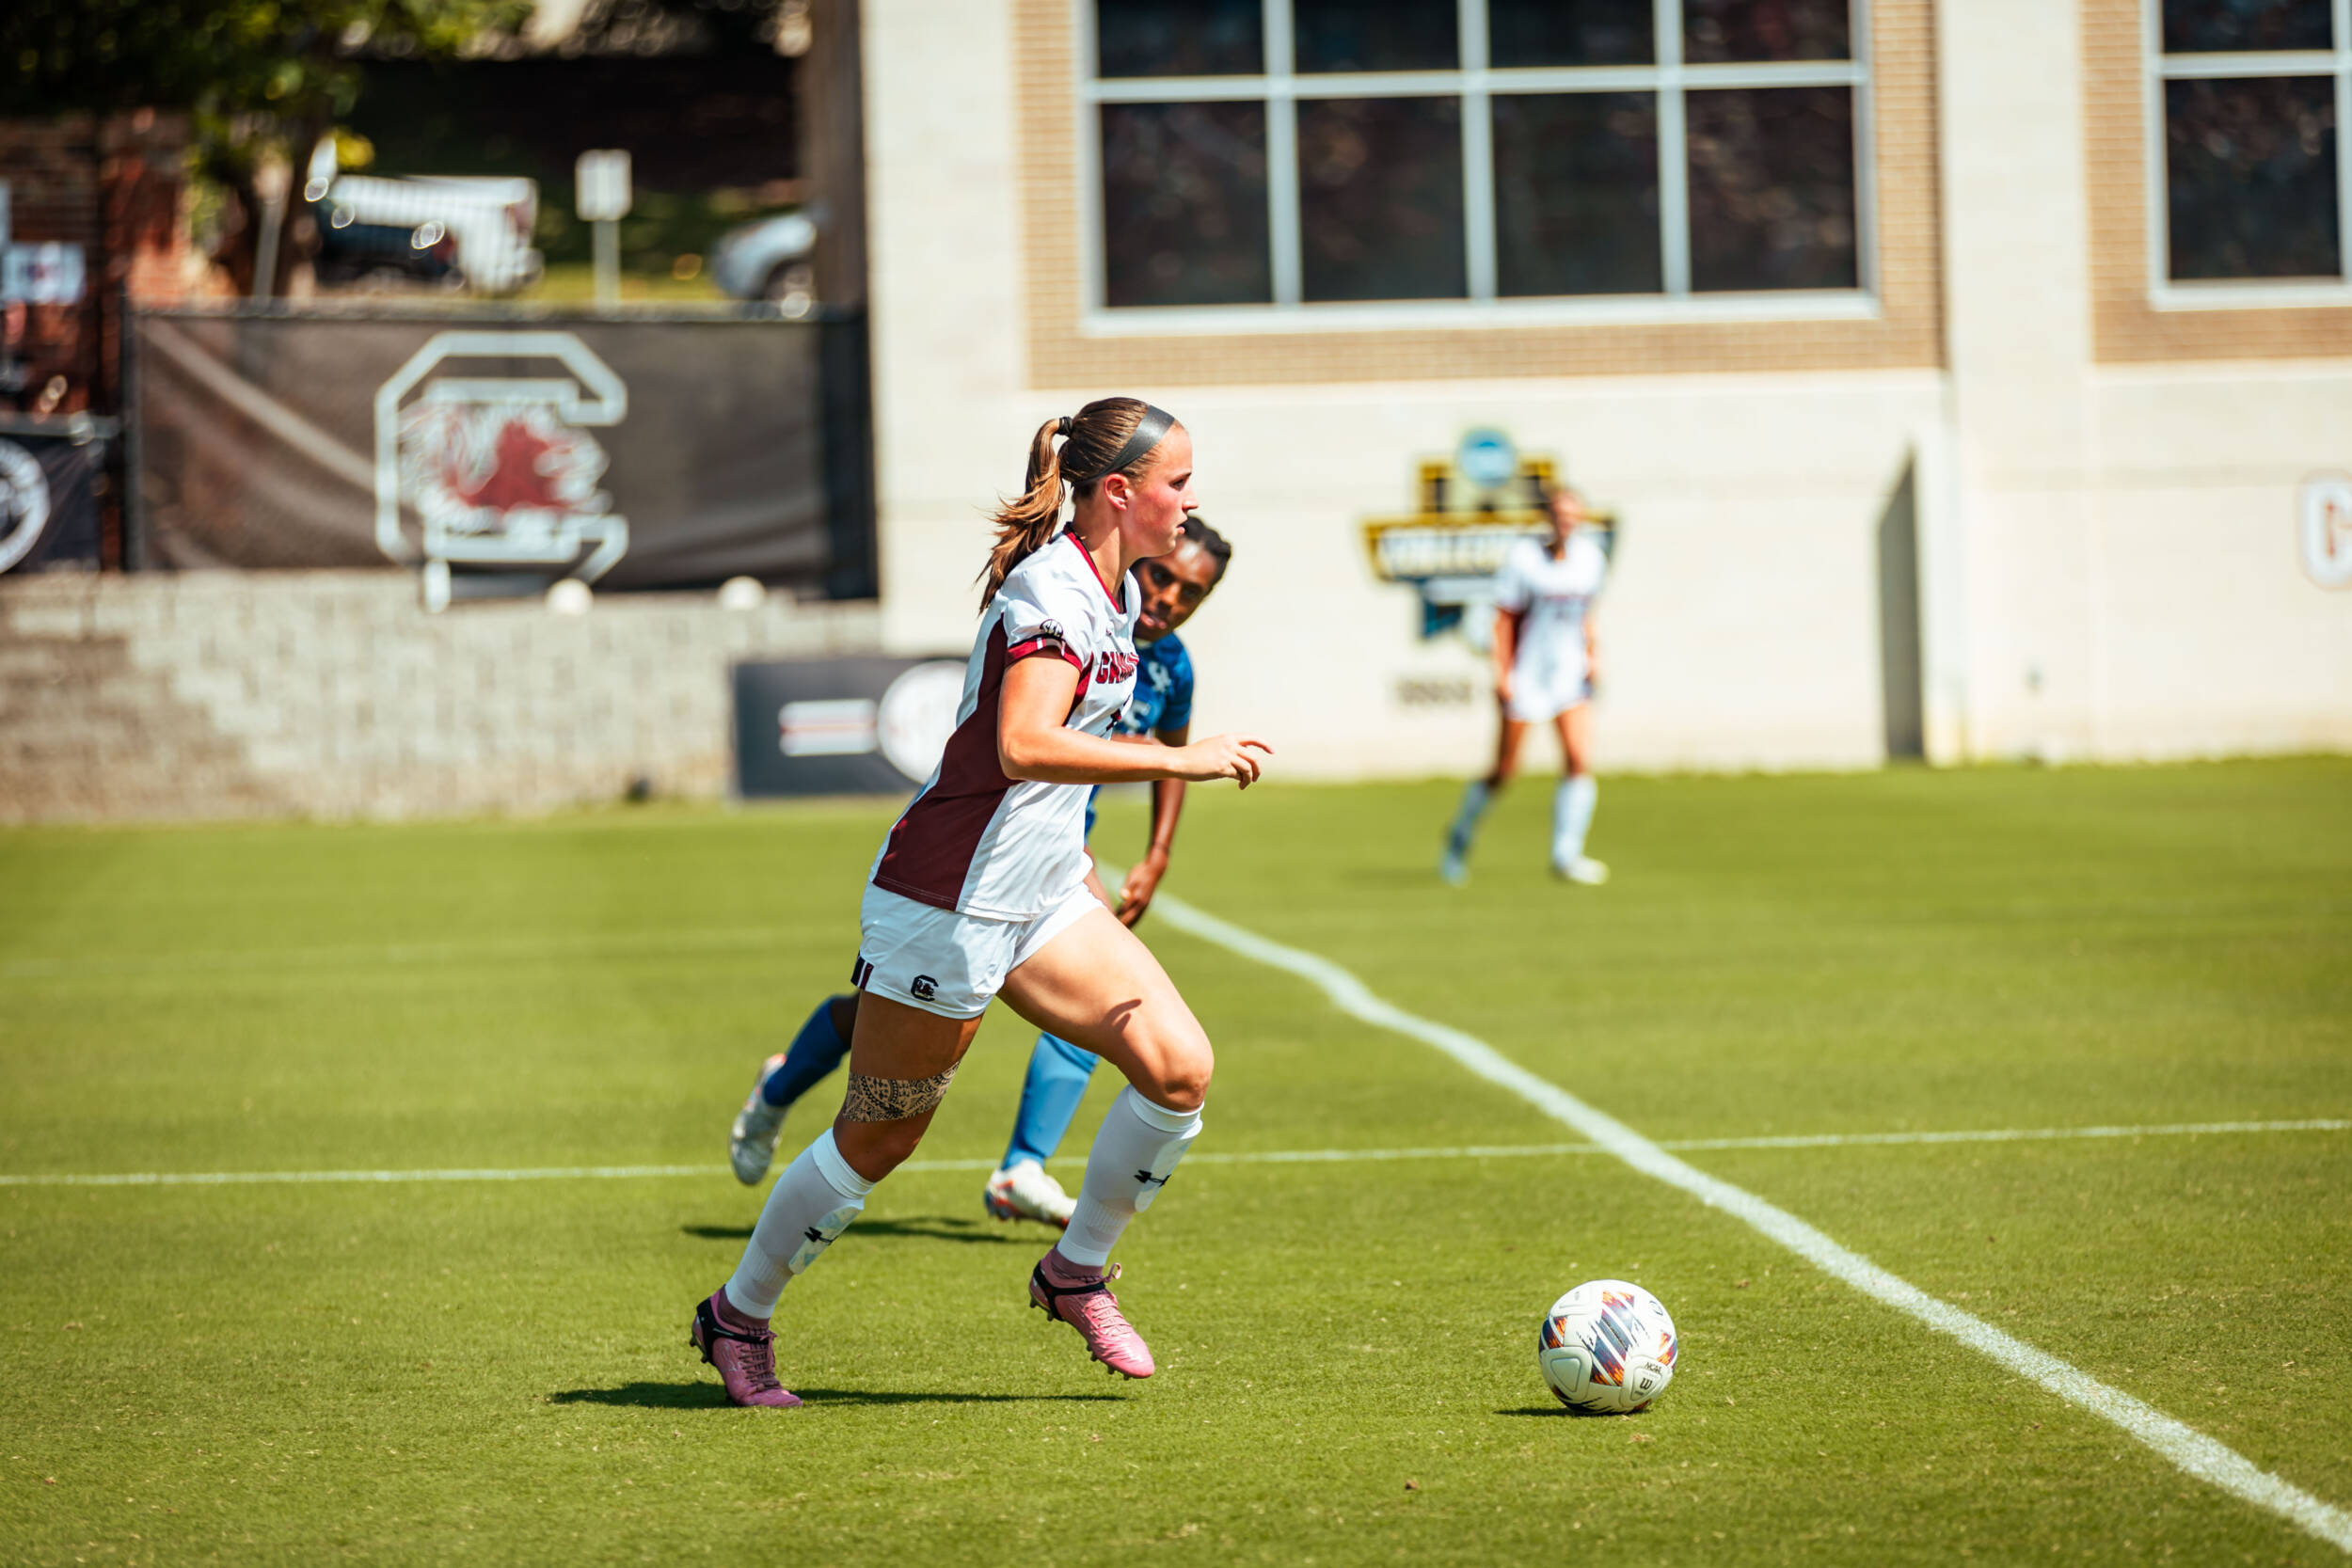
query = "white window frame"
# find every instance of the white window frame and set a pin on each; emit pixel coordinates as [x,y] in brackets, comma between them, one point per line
[2158,69]
[1475,82]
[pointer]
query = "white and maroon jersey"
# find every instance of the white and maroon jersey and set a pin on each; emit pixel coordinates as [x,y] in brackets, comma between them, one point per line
[973,840]
[1550,599]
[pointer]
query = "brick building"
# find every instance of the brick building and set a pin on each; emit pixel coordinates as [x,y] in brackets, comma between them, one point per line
[113,185]
[1966,378]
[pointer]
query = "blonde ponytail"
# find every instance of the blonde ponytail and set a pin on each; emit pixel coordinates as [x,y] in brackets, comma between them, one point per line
[1108,436]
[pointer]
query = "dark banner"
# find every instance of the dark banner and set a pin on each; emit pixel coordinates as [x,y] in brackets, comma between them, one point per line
[843,726]
[629,452]
[49,501]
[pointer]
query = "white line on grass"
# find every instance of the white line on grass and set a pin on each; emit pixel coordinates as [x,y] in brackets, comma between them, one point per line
[1245,1157]
[2190,1449]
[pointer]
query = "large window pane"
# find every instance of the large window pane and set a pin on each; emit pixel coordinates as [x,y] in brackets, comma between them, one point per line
[1576,193]
[1179,38]
[2250,178]
[1772,189]
[1570,32]
[1184,204]
[1715,31]
[1376,35]
[2208,27]
[1380,198]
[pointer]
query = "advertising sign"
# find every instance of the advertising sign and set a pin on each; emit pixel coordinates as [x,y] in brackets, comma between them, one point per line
[497,470]
[2324,529]
[49,502]
[49,272]
[842,726]
[1472,509]
[499,458]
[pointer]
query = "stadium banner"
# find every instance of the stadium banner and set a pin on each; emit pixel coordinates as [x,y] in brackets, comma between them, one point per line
[1471,511]
[842,726]
[497,454]
[49,486]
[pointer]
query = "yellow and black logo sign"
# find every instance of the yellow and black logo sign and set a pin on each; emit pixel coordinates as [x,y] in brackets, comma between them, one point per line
[1473,508]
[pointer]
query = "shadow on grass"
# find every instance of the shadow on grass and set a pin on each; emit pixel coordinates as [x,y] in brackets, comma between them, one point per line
[700,1394]
[1563,1412]
[934,1227]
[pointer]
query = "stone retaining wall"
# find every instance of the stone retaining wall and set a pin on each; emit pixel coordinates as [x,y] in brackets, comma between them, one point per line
[333,694]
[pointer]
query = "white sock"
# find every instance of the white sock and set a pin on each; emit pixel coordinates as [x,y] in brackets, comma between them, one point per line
[1133,1157]
[812,1202]
[1475,800]
[1571,817]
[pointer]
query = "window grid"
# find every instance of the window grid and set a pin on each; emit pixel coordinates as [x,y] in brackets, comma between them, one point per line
[1475,82]
[2247,292]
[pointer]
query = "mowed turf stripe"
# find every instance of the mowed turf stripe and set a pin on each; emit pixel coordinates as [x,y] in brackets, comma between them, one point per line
[1245,1157]
[2194,1453]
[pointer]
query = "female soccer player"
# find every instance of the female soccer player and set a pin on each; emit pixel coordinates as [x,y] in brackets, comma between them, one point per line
[979,890]
[1547,659]
[1173,586]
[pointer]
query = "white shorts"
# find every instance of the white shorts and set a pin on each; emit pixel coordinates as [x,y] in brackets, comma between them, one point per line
[1542,695]
[944,961]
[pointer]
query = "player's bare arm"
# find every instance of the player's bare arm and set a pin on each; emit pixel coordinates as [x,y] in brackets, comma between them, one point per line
[1034,743]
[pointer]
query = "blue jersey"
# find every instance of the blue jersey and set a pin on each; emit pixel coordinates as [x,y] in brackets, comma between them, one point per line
[1161,700]
[1162,695]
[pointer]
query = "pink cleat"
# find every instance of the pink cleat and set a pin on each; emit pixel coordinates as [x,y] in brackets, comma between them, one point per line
[743,1351]
[1061,1289]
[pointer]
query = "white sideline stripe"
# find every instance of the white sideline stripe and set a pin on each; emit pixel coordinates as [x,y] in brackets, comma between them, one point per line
[2184,1445]
[1245,1157]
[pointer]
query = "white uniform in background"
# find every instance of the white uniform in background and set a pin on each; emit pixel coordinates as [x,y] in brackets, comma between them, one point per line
[1549,600]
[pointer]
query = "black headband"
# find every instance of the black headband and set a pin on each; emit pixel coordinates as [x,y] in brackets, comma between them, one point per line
[1150,431]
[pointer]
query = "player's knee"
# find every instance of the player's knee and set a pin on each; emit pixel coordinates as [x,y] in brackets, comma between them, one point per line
[1179,1075]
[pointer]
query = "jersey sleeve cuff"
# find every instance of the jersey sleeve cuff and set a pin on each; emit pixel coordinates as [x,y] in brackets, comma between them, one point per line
[1029,647]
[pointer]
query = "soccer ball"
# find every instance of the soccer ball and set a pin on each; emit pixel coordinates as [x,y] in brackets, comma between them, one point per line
[1607,1348]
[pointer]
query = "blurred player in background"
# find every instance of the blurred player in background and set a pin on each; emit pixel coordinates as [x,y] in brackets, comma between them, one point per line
[1547,660]
[980,890]
[1173,587]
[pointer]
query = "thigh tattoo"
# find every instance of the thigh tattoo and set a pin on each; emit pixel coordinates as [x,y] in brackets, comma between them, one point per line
[893,1099]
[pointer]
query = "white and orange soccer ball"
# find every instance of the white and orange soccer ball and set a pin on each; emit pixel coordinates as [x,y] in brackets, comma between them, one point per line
[1607,1348]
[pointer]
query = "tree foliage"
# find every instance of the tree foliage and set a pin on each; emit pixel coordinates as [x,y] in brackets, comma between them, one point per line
[295,61]
[259,78]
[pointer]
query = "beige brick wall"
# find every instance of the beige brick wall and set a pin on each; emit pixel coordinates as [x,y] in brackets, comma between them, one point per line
[2127,327]
[1906,334]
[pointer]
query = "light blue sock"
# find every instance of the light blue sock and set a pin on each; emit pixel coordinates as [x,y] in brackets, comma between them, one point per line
[1058,1077]
[815,1051]
[1475,802]
[1571,817]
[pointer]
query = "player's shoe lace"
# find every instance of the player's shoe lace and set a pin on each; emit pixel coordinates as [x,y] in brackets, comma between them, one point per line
[1085,1302]
[744,1356]
[1025,1192]
[752,1142]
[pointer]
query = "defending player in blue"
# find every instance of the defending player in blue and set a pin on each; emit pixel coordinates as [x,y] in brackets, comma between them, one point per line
[1174,586]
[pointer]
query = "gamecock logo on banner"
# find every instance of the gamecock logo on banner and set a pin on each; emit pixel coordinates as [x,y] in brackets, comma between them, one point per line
[497,470]
[24,503]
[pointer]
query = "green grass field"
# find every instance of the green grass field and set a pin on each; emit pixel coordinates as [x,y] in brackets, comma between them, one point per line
[496,1370]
